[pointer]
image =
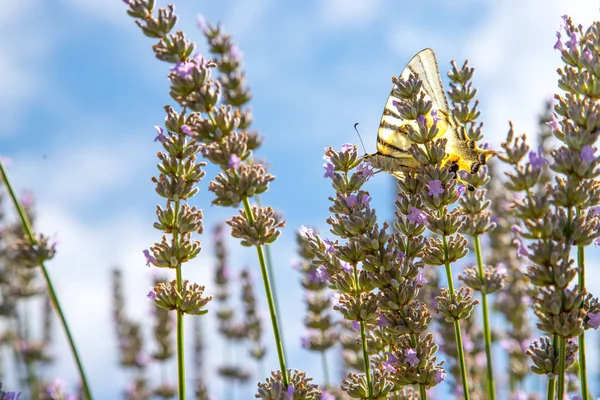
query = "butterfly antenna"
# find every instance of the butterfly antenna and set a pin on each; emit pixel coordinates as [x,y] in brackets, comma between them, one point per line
[361,142]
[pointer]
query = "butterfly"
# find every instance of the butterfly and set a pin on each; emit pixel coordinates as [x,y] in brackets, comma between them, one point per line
[392,137]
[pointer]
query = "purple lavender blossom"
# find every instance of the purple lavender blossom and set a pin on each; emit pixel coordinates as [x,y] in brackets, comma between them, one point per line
[587,154]
[587,55]
[290,391]
[346,267]
[351,200]
[521,249]
[558,45]
[327,396]
[365,169]
[183,69]
[305,342]
[149,258]
[435,117]
[329,249]
[417,216]
[186,129]
[421,278]
[234,161]
[594,320]
[335,299]
[537,160]
[235,53]
[422,122]
[356,325]
[501,269]
[554,123]
[440,376]
[365,200]
[321,273]
[517,229]
[435,187]
[348,147]
[460,189]
[389,363]
[381,320]
[411,357]
[160,137]
[572,43]
[329,170]
[151,295]
[305,232]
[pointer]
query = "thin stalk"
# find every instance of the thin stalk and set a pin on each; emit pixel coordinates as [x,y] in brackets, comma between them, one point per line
[269,260]
[270,301]
[487,333]
[582,357]
[422,390]
[180,343]
[562,356]
[180,332]
[363,337]
[551,386]
[457,332]
[325,368]
[53,297]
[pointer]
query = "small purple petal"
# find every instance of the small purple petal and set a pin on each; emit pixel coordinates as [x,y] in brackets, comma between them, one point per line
[435,187]
[186,129]
[329,170]
[553,123]
[356,325]
[234,161]
[149,258]
[440,376]
[351,200]
[460,189]
[151,295]
[159,137]
[411,357]
[365,169]
[348,147]
[417,216]
[421,278]
[306,232]
[594,320]
[587,154]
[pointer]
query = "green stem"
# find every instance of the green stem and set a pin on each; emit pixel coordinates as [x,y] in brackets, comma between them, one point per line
[180,332]
[363,337]
[53,298]
[551,386]
[487,333]
[180,343]
[562,356]
[325,368]
[423,392]
[269,260]
[457,332]
[270,301]
[582,357]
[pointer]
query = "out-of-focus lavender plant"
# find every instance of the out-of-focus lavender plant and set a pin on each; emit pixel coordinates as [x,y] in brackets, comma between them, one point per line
[200,387]
[475,208]
[562,215]
[130,342]
[29,252]
[321,334]
[233,331]
[252,319]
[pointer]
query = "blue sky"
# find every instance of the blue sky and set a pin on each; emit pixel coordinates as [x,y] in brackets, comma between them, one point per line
[81,92]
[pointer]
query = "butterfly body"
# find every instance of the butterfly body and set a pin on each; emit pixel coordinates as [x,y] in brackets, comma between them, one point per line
[393,139]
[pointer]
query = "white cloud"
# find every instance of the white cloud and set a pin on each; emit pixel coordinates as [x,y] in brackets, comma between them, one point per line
[339,13]
[112,11]
[22,55]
